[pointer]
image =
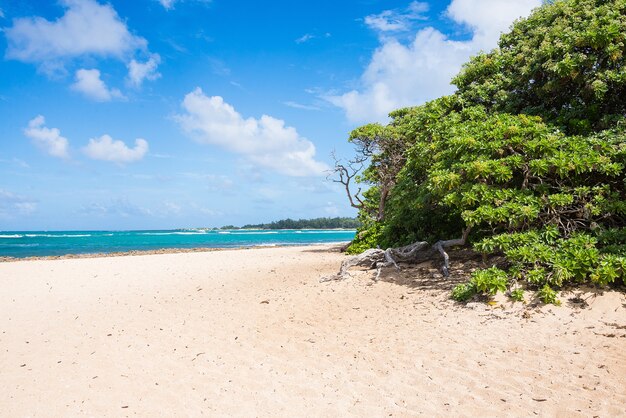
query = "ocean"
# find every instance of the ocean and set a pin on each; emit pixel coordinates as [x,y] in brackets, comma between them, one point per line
[43,243]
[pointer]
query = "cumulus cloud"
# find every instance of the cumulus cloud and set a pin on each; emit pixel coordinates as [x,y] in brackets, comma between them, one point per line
[140,71]
[266,142]
[401,74]
[89,83]
[489,18]
[106,148]
[47,139]
[86,28]
[397,20]
[12,204]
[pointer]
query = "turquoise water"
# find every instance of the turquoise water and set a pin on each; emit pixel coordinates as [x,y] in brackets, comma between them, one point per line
[37,243]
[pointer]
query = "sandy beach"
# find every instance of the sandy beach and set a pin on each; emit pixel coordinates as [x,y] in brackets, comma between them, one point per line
[255,333]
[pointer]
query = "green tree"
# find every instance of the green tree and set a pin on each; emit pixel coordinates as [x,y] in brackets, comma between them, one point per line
[565,63]
[529,155]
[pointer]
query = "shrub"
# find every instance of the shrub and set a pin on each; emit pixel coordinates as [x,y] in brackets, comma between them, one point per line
[517,295]
[529,154]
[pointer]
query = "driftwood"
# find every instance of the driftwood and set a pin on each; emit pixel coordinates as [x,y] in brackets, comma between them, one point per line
[413,253]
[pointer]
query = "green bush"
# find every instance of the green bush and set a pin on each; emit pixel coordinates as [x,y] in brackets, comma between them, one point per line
[517,295]
[366,238]
[464,292]
[529,155]
[548,296]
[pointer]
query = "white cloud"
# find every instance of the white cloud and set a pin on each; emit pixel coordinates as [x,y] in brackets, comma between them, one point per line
[489,18]
[304,38]
[106,148]
[397,20]
[15,161]
[89,83]
[116,207]
[138,72]
[401,74]
[266,142]
[331,209]
[12,204]
[47,139]
[168,4]
[86,28]
[214,182]
[301,106]
[308,36]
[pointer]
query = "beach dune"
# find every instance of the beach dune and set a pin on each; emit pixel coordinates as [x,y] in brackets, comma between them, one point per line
[254,333]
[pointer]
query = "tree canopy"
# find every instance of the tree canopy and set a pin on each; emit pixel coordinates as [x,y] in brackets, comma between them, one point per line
[527,158]
[564,63]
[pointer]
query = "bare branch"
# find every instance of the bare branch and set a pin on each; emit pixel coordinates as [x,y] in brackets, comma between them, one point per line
[413,253]
[346,174]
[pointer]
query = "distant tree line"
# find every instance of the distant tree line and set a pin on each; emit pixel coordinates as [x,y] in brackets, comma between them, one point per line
[317,223]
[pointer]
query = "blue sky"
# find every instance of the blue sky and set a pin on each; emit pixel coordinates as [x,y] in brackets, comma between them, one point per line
[188,113]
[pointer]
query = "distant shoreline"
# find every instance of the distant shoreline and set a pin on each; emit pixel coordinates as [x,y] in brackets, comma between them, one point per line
[175,229]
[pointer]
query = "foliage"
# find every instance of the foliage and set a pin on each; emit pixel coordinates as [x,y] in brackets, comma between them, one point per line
[365,239]
[529,155]
[497,172]
[548,295]
[489,282]
[517,295]
[463,292]
[542,257]
[565,62]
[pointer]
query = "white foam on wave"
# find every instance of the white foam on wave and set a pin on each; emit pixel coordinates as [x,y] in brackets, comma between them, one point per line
[254,233]
[329,231]
[172,233]
[57,235]
[12,236]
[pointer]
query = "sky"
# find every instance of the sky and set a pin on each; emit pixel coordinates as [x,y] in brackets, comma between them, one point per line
[155,114]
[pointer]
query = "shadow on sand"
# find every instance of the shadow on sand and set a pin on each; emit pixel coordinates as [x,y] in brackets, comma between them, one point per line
[428,276]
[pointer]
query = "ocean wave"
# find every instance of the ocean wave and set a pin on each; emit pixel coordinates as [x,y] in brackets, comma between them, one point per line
[19,245]
[12,236]
[57,235]
[172,233]
[330,231]
[254,233]
[224,232]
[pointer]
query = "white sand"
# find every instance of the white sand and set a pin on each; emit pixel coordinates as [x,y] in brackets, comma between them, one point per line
[253,333]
